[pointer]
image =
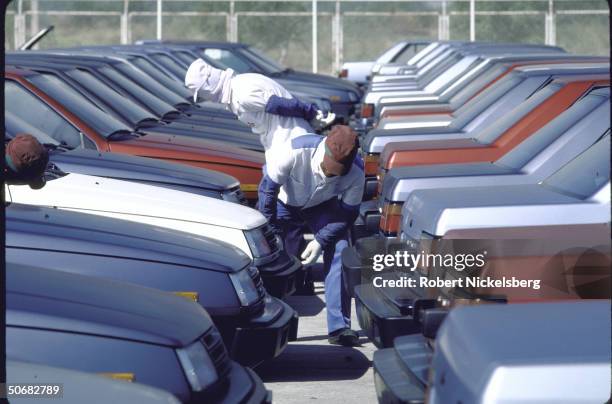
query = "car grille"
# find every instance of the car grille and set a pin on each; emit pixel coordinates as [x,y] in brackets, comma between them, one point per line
[270,236]
[236,195]
[218,354]
[254,272]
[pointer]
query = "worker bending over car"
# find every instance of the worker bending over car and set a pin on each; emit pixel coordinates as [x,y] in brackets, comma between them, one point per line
[318,182]
[258,101]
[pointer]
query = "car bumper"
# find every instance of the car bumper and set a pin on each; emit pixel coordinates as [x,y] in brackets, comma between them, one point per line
[279,275]
[266,336]
[242,386]
[380,319]
[394,379]
[357,260]
[343,110]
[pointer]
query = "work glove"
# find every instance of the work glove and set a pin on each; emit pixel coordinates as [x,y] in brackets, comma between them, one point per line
[322,120]
[311,252]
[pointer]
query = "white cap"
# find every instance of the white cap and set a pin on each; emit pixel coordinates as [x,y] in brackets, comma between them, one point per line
[202,76]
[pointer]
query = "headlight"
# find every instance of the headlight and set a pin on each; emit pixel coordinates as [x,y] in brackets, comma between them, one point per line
[244,286]
[257,243]
[197,365]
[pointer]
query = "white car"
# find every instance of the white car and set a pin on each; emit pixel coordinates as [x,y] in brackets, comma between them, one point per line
[236,224]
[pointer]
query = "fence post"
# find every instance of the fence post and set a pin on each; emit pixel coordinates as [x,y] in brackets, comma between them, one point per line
[337,39]
[20,25]
[551,35]
[443,24]
[315,48]
[159,20]
[124,23]
[232,27]
[472,20]
[34,25]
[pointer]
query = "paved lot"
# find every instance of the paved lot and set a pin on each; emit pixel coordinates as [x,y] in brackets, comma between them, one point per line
[312,370]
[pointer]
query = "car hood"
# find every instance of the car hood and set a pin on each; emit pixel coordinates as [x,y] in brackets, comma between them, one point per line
[437,211]
[35,227]
[184,148]
[536,341]
[86,387]
[55,300]
[141,202]
[124,167]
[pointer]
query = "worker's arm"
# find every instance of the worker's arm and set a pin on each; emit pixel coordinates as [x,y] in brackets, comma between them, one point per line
[275,175]
[291,107]
[348,210]
[256,96]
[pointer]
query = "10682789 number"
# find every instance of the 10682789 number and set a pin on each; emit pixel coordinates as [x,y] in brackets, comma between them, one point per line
[42,390]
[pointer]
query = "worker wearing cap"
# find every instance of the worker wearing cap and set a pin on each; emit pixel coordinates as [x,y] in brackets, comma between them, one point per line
[25,161]
[318,181]
[258,101]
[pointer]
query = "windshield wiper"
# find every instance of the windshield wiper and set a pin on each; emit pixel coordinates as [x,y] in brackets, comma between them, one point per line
[122,134]
[147,123]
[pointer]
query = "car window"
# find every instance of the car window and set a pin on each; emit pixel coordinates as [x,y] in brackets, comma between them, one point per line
[586,174]
[406,54]
[228,59]
[124,107]
[390,53]
[166,61]
[72,100]
[137,93]
[148,83]
[25,106]
[14,125]
[167,81]
[263,59]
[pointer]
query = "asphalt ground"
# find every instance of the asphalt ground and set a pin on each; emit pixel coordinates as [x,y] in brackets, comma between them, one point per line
[311,370]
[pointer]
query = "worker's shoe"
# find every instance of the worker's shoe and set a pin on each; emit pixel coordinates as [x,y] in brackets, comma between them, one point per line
[344,337]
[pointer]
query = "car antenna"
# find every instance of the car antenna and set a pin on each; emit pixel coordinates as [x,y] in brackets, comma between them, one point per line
[36,38]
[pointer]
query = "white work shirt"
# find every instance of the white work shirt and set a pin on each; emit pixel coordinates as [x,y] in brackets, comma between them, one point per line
[296,166]
[248,98]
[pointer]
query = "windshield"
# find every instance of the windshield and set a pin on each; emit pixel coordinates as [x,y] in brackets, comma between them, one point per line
[115,101]
[227,59]
[167,81]
[147,82]
[137,93]
[586,174]
[262,60]
[100,121]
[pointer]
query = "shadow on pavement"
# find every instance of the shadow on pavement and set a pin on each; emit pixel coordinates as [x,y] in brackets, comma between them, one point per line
[302,363]
[306,305]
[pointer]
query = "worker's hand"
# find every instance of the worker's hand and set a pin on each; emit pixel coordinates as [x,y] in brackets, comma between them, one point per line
[323,120]
[311,252]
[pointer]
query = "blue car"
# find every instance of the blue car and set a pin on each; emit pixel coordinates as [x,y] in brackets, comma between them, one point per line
[255,326]
[125,331]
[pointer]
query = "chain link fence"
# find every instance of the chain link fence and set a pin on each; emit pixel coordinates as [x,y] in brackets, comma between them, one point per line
[343,30]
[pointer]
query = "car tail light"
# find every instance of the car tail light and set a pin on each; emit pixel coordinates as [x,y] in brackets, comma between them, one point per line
[380,177]
[343,73]
[371,164]
[367,110]
[391,218]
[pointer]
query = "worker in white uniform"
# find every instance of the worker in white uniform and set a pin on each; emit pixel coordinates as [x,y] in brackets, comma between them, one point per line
[318,182]
[258,101]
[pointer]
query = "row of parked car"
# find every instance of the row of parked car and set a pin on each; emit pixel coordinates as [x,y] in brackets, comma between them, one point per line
[142,258]
[494,149]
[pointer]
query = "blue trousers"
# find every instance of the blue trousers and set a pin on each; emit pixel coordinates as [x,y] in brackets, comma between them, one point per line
[291,222]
